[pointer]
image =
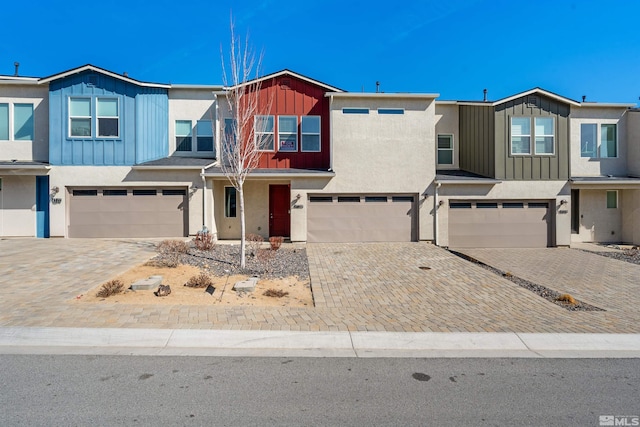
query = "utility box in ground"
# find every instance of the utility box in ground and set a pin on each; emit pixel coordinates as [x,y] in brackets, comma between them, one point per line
[146,284]
[248,285]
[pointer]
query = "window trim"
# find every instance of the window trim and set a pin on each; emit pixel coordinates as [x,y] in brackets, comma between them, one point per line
[512,134]
[258,135]
[227,205]
[298,123]
[598,142]
[302,133]
[438,149]
[71,117]
[617,203]
[98,117]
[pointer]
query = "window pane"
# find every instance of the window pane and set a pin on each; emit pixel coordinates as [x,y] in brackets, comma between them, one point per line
[107,127]
[80,127]
[608,141]
[355,111]
[288,143]
[230,202]
[288,124]
[264,123]
[445,157]
[204,128]
[520,145]
[520,126]
[80,107]
[205,143]
[588,140]
[23,121]
[544,145]
[288,133]
[544,126]
[265,142]
[445,141]
[107,107]
[183,143]
[612,199]
[310,124]
[229,131]
[310,142]
[183,128]
[4,122]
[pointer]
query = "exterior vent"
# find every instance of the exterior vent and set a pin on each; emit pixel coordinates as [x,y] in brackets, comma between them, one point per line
[532,101]
[285,84]
[93,80]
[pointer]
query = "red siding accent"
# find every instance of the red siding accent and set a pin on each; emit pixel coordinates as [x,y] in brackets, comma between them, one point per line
[297,98]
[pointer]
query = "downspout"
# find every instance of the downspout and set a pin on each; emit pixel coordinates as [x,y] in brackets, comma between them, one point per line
[204,198]
[435,213]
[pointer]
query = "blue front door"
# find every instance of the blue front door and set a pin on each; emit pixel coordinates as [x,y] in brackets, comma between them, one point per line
[42,206]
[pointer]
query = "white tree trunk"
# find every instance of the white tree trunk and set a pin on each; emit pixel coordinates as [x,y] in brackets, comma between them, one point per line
[242,227]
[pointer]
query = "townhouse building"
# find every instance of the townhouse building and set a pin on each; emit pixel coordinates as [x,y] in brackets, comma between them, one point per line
[91,153]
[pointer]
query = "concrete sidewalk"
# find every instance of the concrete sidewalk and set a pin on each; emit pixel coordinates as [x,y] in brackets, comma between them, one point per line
[181,342]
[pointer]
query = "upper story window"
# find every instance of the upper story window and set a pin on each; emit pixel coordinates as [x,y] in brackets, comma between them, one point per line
[230,131]
[355,111]
[445,149]
[108,118]
[82,113]
[605,146]
[22,129]
[390,111]
[204,135]
[264,132]
[288,133]
[543,135]
[310,140]
[183,135]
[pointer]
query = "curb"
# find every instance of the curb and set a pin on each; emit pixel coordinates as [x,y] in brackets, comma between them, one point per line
[241,343]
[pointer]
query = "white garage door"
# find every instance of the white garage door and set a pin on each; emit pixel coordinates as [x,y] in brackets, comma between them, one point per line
[499,224]
[361,218]
[120,212]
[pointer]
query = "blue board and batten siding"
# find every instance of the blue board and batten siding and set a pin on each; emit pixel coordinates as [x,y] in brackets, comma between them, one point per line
[143,122]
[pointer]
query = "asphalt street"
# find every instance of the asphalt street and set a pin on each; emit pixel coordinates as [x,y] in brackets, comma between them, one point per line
[145,390]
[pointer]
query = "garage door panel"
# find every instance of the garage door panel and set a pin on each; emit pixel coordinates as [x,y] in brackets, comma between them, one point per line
[500,226]
[377,220]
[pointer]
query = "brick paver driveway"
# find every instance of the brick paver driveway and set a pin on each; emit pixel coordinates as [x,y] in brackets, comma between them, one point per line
[377,287]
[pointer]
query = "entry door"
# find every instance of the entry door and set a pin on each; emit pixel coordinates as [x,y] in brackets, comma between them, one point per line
[279,210]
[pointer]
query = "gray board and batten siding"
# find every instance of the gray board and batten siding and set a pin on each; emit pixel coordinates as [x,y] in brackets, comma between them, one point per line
[485,137]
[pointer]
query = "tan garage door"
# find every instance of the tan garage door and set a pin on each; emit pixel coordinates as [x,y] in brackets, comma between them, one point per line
[361,218]
[499,224]
[118,212]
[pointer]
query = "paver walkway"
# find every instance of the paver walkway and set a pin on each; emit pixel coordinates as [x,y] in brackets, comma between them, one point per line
[357,287]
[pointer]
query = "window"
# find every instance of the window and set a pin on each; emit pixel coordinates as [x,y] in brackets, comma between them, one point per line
[486,205]
[459,205]
[264,132]
[4,122]
[606,147]
[230,131]
[348,199]
[320,199]
[445,149]
[608,141]
[544,135]
[287,133]
[204,135]
[520,135]
[23,122]
[310,133]
[355,111]
[122,192]
[375,199]
[512,205]
[612,199]
[85,192]
[588,140]
[183,135]
[80,117]
[108,117]
[390,111]
[229,202]
[171,192]
[144,192]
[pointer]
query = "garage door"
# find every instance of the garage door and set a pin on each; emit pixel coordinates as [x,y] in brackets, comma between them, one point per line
[361,218]
[118,212]
[499,224]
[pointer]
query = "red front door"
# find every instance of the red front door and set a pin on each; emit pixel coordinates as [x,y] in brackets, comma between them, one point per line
[279,210]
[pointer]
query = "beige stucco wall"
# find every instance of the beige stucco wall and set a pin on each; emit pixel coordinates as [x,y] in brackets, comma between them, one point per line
[122,177]
[447,120]
[633,142]
[597,223]
[553,191]
[587,166]
[191,104]
[38,149]
[18,206]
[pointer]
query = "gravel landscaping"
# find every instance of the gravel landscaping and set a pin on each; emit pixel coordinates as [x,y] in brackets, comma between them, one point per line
[225,259]
[626,255]
[546,293]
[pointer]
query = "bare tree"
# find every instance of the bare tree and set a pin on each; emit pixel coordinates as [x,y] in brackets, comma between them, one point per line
[240,146]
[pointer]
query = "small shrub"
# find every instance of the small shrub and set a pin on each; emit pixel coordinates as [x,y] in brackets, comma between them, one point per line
[202,280]
[508,274]
[172,246]
[567,298]
[254,241]
[276,242]
[204,241]
[112,287]
[275,293]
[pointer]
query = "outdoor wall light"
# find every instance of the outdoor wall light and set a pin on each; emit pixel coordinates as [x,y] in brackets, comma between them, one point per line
[563,202]
[298,196]
[441,202]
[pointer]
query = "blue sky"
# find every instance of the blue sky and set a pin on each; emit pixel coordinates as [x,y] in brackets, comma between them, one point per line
[452,47]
